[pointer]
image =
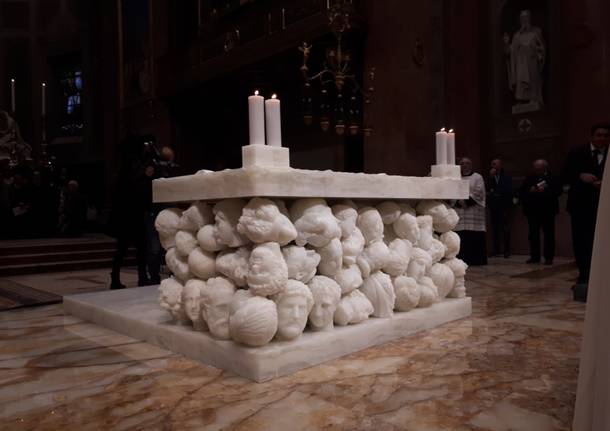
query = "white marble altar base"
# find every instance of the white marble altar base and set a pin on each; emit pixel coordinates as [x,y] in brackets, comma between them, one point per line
[136,312]
[446,171]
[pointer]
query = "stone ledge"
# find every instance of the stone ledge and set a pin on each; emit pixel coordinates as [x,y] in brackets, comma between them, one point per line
[135,312]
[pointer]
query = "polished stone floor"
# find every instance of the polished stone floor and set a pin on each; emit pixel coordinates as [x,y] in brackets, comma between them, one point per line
[512,366]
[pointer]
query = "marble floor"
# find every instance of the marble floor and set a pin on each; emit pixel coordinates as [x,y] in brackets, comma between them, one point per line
[512,366]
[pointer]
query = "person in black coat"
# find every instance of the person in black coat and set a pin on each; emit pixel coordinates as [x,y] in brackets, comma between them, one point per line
[539,196]
[499,201]
[584,171]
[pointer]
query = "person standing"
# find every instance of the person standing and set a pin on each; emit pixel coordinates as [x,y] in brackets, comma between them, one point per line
[471,226]
[499,201]
[584,171]
[539,196]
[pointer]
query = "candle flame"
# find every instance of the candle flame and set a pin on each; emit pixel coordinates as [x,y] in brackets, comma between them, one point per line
[443,129]
[12,79]
[274,96]
[450,130]
[256,92]
[44,84]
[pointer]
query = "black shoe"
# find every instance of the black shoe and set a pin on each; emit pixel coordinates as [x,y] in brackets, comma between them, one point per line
[117,285]
[532,260]
[579,292]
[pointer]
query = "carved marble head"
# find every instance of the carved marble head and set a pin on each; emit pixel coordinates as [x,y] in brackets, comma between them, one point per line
[352,246]
[196,216]
[216,297]
[419,263]
[302,263]
[202,264]
[443,278]
[191,298]
[185,242]
[349,278]
[354,307]
[267,272]
[374,257]
[331,258]
[452,242]
[293,307]
[347,217]
[315,223]
[253,321]
[234,264]
[170,297]
[167,224]
[426,233]
[400,255]
[406,227]
[407,293]
[261,221]
[226,215]
[389,211]
[458,267]
[178,265]
[444,218]
[370,224]
[208,240]
[326,295]
[379,290]
[437,250]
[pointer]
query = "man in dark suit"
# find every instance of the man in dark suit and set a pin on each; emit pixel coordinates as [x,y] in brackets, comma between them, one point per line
[584,171]
[499,201]
[539,196]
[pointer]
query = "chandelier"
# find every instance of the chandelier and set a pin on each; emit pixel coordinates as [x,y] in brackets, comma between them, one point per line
[336,87]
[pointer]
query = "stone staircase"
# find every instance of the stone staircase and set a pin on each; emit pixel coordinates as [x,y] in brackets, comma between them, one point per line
[34,256]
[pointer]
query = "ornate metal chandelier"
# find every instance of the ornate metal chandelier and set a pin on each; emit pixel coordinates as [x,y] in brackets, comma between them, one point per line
[339,93]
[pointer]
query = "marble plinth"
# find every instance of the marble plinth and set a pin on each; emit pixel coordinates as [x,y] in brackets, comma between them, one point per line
[135,312]
[265,156]
[446,171]
[261,181]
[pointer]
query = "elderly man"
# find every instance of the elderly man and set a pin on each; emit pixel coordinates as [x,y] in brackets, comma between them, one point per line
[539,195]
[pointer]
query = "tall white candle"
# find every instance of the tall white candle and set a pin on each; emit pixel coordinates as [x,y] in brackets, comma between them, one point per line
[273,121]
[44,99]
[13,100]
[451,147]
[256,112]
[441,147]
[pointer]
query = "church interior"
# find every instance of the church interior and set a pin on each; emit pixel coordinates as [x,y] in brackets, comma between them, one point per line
[304,214]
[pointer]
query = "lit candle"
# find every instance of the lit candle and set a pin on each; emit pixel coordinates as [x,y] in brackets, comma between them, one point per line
[451,147]
[273,121]
[441,147]
[13,95]
[44,99]
[256,107]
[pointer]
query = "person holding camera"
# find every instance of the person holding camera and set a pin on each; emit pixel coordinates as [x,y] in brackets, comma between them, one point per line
[540,199]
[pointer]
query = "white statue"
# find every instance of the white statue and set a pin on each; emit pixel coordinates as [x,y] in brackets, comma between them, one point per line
[407,293]
[302,263]
[452,242]
[178,265]
[170,299]
[370,224]
[374,257]
[398,258]
[389,211]
[331,258]
[349,278]
[437,250]
[196,216]
[167,224]
[186,242]
[458,267]
[202,264]
[354,307]
[261,221]
[352,246]
[226,215]
[406,227]
[216,297]
[208,240]
[347,216]
[443,278]
[444,218]
[425,228]
[419,265]
[526,55]
[234,264]
[326,295]
[314,221]
[253,320]
[267,271]
[293,306]
[191,298]
[379,289]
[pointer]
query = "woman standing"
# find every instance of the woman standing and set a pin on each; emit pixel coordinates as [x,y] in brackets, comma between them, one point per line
[471,227]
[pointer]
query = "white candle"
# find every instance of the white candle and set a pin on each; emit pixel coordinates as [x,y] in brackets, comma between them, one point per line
[451,147]
[256,111]
[273,121]
[13,96]
[441,147]
[44,99]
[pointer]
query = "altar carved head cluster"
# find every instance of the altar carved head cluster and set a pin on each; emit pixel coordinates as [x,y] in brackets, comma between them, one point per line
[255,271]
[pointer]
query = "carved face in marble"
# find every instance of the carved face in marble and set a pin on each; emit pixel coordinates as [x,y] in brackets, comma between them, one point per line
[186,242]
[226,216]
[207,239]
[347,217]
[234,264]
[458,267]
[315,223]
[437,250]
[354,307]
[196,216]
[452,242]
[167,224]
[370,224]
[406,227]
[302,263]
[443,220]
[352,246]
[267,270]
[398,260]
[253,320]
[178,265]
[389,211]
[419,263]
[349,278]
[202,264]
[216,297]
[426,233]
[293,307]
[374,257]
[428,291]
[331,258]
[191,298]
[379,290]
[443,278]
[170,295]
[407,293]
[326,295]
[261,221]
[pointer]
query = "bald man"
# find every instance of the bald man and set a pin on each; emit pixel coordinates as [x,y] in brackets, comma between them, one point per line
[540,199]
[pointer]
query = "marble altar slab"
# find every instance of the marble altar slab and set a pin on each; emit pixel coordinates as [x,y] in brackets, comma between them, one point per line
[259,181]
[135,312]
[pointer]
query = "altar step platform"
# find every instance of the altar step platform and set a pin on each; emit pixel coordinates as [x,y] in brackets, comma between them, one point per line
[136,313]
